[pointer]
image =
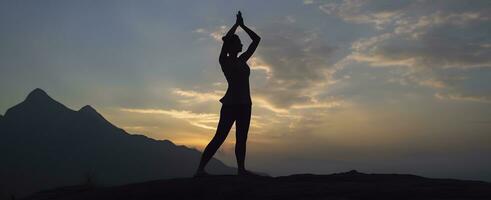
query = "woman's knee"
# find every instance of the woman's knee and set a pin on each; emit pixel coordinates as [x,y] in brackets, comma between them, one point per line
[241,136]
[219,137]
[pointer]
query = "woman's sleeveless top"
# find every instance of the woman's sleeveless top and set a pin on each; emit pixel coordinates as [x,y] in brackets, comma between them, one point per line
[237,74]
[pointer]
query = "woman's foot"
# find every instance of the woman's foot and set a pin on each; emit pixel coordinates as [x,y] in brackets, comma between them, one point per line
[244,172]
[201,173]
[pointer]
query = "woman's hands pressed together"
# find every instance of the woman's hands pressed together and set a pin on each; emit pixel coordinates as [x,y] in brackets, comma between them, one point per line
[240,20]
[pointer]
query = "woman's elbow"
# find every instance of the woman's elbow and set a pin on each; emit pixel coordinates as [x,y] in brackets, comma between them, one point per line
[257,39]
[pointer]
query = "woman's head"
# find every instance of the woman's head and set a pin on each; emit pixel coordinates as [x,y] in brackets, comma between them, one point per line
[232,44]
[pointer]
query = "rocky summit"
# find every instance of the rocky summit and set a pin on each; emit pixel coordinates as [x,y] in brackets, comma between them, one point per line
[348,185]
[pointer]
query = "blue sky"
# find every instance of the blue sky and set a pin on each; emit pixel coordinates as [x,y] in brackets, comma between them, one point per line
[378,86]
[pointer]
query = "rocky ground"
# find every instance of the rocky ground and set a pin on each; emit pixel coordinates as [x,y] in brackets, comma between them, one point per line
[348,185]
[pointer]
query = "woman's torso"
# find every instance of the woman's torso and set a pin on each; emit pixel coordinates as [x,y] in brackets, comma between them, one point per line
[237,74]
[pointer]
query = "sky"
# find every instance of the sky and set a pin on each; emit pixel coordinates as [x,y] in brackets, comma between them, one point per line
[376,86]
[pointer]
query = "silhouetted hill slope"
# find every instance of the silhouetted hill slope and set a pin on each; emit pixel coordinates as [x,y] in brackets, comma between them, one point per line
[349,185]
[44,144]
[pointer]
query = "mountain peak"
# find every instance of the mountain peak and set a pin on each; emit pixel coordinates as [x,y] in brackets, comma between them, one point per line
[87,109]
[37,93]
[38,102]
[40,97]
[92,113]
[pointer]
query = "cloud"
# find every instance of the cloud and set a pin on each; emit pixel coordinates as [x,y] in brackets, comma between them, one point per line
[219,33]
[433,83]
[426,43]
[202,120]
[363,11]
[308,2]
[332,104]
[257,64]
[423,37]
[460,97]
[298,62]
[267,117]
[192,96]
[436,47]
[216,34]
[435,41]
[200,30]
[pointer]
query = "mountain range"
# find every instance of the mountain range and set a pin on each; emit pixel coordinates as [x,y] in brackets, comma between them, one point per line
[44,144]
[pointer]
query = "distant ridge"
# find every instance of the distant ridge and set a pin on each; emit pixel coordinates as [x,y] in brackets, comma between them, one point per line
[44,144]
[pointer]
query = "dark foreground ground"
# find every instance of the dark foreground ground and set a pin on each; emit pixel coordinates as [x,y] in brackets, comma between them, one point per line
[349,185]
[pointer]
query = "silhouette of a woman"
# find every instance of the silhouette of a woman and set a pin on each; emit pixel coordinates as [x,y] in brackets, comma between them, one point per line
[236,104]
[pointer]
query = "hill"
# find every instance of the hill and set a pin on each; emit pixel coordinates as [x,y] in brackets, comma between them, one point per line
[44,144]
[348,185]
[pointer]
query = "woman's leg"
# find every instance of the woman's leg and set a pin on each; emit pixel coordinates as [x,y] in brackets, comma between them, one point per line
[224,125]
[242,129]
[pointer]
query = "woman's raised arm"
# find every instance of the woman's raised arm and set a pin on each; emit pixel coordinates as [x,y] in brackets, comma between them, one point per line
[255,39]
[252,47]
[223,52]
